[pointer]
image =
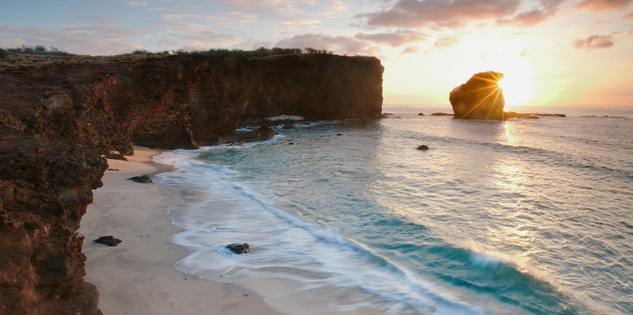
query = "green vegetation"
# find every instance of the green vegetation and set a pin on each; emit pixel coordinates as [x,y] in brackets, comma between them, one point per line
[37,50]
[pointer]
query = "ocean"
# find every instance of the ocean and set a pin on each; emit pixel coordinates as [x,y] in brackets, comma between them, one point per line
[526,216]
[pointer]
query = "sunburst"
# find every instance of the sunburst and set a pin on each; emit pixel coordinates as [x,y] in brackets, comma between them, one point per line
[495,91]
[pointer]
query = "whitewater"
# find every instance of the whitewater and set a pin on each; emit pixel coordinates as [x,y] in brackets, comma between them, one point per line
[525,216]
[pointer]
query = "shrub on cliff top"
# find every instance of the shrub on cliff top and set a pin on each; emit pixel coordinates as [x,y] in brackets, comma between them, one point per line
[258,53]
[141,52]
[38,50]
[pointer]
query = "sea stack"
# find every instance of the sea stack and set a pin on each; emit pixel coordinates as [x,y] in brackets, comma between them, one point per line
[479,98]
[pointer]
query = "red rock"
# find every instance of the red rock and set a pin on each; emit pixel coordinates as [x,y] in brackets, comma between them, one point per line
[60,115]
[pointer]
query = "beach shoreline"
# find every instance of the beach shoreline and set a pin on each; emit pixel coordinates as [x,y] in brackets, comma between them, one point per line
[138,275]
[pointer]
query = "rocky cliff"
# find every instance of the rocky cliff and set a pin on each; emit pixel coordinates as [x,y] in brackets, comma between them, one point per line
[59,115]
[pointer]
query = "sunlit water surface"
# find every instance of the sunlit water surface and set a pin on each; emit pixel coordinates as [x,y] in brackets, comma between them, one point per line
[347,217]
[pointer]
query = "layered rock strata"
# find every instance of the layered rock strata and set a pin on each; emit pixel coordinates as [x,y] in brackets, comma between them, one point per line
[58,118]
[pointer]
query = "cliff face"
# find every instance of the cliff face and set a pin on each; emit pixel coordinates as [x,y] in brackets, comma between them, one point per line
[56,121]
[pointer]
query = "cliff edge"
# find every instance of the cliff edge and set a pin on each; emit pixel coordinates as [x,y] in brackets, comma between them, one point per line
[60,114]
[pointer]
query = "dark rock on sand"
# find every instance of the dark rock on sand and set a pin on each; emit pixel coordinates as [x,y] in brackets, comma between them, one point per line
[420,114]
[115,155]
[108,240]
[423,147]
[143,179]
[238,248]
[479,98]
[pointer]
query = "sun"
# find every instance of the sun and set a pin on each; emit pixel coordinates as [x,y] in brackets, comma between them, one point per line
[518,80]
[516,90]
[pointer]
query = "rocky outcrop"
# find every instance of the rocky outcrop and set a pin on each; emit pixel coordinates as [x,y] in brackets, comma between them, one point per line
[479,98]
[58,118]
[108,240]
[48,170]
[238,248]
[143,179]
[511,115]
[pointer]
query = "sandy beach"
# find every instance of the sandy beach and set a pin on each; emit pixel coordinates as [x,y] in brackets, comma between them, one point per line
[137,276]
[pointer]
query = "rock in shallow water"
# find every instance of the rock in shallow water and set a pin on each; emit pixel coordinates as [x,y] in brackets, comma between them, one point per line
[480,97]
[239,248]
[141,179]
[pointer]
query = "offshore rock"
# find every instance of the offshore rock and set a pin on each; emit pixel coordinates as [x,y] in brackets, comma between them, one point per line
[59,115]
[238,248]
[479,98]
[511,115]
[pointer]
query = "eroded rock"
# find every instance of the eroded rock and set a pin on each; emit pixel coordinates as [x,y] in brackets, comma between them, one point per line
[59,115]
[480,97]
[239,248]
[143,179]
[108,240]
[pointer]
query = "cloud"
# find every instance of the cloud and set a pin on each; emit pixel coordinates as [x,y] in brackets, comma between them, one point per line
[535,16]
[270,6]
[146,5]
[627,16]
[336,7]
[594,42]
[99,19]
[440,13]
[339,44]
[456,14]
[299,21]
[253,44]
[395,39]
[603,5]
[178,16]
[93,40]
[195,37]
[445,42]
[410,50]
[224,19]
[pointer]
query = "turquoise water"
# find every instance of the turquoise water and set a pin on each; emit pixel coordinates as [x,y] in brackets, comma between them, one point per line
[347,217]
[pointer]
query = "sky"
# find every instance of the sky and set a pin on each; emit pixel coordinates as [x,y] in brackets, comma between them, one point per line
[552,52]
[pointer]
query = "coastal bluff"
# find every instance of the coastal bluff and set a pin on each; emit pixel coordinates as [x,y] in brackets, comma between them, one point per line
[60,115]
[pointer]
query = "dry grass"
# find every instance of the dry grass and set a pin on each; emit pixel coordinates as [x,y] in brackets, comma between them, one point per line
[16,62]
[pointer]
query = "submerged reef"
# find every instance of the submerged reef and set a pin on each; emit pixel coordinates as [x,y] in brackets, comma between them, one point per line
[60,115]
